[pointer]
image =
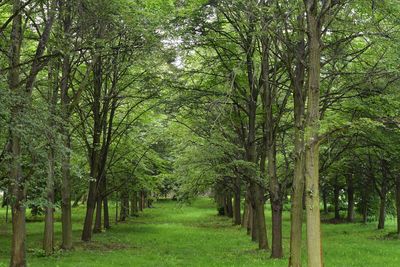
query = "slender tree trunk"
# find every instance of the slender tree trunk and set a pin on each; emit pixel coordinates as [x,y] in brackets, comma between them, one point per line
[97,222]
[134,203]
[276,203]
[66,216]
[229,205]
[259,229]
[254,224]
[90,208]
[224,201]
[236,204]
[382,213]
[246,212]
[336,194]
[350,198]
[299,95]
[18,247]
[383,194]
[116,209]
[106,213]
[277,249]
[96,149]
[325,201]
[314,244]
[100,199]
[250,225]
[141,201]
[48,241]
[365,199]
[398,204]
[124,205]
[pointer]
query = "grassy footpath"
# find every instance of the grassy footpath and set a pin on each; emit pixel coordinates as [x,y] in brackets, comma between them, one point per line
[174,235]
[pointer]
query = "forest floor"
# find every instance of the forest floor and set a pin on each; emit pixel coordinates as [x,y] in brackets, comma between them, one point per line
[171,234]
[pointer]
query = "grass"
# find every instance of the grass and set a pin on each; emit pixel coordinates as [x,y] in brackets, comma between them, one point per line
[179,235]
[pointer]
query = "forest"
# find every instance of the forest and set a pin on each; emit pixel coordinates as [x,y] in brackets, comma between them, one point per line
[199,133]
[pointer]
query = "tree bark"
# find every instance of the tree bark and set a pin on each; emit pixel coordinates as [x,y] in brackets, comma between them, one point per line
[229,205]
[66,216]
[276,203]
[18,247]
[134,203]
[314,244]
[236,204]
[124,213]
[95,153]
[106,213]
[350,198]
[325,201]
[299,95]
[48,241]
[246,214]
[98,222]
[398,204]
[66,220]
[382,194]
[382,213]
[336,194]
[100,200]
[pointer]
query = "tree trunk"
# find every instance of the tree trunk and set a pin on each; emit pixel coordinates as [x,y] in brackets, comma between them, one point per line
[97,222]
[277,249]
[66,215]
[299,95]
[134,203]
[398,204]
[246,214]
[314,244]
[236,205]
[276,202]
[336,194]
[254,226]
[18,248]
[100,199]
[325,201]
[229,205]
[259,230]
[350,198]
[250,217]
[116,209]
[90,208]
[124,213]
[382,194]
[364,211]
[382,213]
[365,199]
[48,241]
[141,201]
[106,213]
[96,149]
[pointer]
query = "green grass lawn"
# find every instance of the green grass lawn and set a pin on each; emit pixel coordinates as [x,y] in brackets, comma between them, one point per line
[179,235]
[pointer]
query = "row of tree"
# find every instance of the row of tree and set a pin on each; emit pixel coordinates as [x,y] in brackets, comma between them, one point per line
[80,103]
[295,96]
[286,101]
